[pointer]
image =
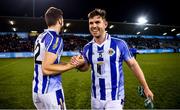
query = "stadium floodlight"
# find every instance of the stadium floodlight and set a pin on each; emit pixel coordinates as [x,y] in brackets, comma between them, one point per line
[142,20]
[164,34]
[11,22]
[173,29]
[146,28]
[111,26]
[68,24]
[65,30]
[138,33]
[14,29]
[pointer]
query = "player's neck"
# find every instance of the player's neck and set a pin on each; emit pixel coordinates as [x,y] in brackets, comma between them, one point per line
[100,39]
[55,28]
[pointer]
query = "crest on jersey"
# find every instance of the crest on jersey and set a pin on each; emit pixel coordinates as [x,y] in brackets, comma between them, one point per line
[56,44]
[111,51]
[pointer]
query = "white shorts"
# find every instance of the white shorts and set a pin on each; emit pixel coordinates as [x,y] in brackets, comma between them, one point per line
[52,100]
[106,105]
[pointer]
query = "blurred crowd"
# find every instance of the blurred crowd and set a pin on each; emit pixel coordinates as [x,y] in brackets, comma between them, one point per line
[14,43]
[142,43]
[74,43]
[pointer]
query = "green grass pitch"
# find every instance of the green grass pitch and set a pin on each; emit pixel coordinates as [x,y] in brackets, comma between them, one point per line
[162,72]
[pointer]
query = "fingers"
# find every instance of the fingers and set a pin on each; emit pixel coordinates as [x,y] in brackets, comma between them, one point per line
[73,60]
[80,60]
[152,97]
[149,94]
[77,60]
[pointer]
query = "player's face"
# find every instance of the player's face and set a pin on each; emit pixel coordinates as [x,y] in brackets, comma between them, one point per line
[97,26]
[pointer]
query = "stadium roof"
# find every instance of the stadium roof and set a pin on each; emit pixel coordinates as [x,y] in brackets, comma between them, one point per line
[156,11]
[27,24]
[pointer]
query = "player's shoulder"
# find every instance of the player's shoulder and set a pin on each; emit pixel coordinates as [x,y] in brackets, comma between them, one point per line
[118,40]
[88,45]
[45,36]
[50,35]
[53,34]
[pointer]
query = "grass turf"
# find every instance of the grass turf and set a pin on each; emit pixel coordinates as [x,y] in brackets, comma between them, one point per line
[162,72]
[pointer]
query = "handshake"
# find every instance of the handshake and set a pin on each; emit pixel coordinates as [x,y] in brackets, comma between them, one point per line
[77,61]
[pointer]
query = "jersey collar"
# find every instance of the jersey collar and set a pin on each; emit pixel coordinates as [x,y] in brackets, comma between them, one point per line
[107,38]
[51,30]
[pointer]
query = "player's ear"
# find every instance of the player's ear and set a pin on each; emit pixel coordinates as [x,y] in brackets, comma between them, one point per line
[106,23]
[61,22]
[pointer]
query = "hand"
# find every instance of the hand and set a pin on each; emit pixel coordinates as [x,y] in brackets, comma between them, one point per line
[148,93]
[77,60]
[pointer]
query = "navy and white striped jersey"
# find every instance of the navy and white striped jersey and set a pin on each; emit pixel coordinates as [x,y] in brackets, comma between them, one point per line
[106,67]
[48,41]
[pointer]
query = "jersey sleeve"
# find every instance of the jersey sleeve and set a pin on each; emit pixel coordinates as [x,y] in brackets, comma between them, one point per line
[84,53]
[126,55]
[53,44]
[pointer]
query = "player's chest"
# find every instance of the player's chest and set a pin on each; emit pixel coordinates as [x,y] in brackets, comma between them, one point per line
[105,54]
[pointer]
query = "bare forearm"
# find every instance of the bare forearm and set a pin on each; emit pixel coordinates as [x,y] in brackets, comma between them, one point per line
[138,73]
[132,63]
[53,69]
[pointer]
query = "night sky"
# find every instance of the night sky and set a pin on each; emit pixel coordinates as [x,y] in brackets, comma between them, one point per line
[165,12]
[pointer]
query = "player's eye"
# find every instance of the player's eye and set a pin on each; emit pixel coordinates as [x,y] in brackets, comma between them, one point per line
[91,23]
[97,22]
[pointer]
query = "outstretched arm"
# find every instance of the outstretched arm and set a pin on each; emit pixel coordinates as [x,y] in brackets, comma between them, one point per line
[134,66]
[49,68]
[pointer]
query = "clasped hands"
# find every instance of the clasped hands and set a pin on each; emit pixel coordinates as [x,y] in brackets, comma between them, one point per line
[77,61]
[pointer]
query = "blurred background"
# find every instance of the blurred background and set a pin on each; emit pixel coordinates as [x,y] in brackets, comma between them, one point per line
[151,28]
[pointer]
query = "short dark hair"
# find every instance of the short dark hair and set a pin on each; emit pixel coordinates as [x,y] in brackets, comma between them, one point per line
[97,12]
[52,15]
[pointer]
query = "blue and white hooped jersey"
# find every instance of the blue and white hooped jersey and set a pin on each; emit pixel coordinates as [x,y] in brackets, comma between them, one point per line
[106,67]
[48,41]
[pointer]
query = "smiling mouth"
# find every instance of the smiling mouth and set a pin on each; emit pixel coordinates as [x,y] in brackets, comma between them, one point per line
[94,30]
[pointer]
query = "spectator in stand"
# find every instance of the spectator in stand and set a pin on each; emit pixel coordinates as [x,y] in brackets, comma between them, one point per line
[133,51]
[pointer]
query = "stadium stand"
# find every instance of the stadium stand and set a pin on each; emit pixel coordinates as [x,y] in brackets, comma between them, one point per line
[77,34]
